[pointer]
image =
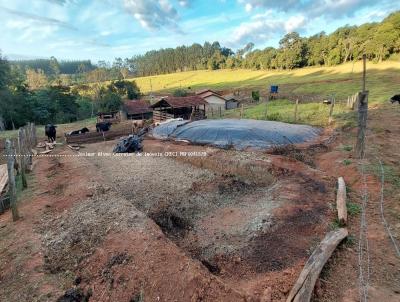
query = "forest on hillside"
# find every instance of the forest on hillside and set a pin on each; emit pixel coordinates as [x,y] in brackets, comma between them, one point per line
[377,40]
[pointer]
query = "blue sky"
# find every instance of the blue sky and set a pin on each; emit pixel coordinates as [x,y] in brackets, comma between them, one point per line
[105,29]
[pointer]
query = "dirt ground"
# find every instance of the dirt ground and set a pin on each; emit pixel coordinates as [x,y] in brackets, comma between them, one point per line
[228,226]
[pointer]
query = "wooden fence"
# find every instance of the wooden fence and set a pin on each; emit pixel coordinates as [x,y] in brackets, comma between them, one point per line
[19,159]
[116,131]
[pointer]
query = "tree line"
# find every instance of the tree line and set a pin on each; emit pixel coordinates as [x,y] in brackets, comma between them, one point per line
[348,43]
[33,97]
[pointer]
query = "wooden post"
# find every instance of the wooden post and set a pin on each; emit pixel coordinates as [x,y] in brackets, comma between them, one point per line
[331,110]
[21,157]
[304,286]
[220,111]
[362,115]
[266,109]
[364,71]
[11,180]
[296,110]
[241,111]
[362,124]
[341,201]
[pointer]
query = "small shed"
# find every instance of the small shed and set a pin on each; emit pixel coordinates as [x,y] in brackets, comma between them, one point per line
[231,102]
[188,108]
[213,99]
[113,117]
[137,110]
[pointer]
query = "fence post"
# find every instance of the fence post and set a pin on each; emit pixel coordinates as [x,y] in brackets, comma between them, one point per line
[296,110]
[362,124]
[11,180]
[241,111]
[34,135]
[21,156]
[331,111]
[362,115]
[266,108]
[220,112]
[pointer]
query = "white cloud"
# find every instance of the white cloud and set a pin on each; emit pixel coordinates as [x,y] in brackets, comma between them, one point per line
[312,8]
[185,3]
[265,26]
[153,14]
[294,23]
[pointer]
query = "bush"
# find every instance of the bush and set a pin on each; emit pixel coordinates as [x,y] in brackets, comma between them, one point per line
[255,95]
[180,92]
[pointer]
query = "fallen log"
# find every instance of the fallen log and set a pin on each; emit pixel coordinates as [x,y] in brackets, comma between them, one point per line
[46,152]
[304,286]
[341,202]
[75,148]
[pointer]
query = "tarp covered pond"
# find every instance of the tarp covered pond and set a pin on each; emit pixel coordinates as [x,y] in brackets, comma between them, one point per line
[238,134]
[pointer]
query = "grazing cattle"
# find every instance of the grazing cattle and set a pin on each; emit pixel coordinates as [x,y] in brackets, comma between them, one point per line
[50,131]
[76,132]
[103,126]
[395,98]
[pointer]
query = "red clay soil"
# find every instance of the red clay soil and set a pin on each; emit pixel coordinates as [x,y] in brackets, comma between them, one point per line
[340,278]
[54,190]
[135,261]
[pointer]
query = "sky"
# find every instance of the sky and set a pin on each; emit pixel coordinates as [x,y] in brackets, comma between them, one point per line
[106,29]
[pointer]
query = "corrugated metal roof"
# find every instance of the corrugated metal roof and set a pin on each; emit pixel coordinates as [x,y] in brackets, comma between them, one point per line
[230,97]
[181,102]
[137,107]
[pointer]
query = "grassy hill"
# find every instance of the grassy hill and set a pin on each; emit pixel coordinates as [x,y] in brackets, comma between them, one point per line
[382,80]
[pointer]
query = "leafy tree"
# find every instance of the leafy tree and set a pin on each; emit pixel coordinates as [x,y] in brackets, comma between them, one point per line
[128,89]
[36,79]
[85,108]
[109,101]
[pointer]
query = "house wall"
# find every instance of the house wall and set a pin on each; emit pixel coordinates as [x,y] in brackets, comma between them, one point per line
[144,116]
[215,102]
[232,105]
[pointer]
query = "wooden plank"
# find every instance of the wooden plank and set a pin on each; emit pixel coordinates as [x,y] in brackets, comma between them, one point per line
[11,180]
[341,201]
[304,286]
[3,177]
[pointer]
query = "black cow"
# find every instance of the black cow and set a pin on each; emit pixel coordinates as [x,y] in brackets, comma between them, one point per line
[82,131]
[395,98]
[103,126]
[51,133]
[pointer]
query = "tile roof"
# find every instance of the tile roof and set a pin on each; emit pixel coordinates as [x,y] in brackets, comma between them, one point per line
[181,102]
[136,107]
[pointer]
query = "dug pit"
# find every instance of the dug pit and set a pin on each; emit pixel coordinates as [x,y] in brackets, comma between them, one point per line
[244,227]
